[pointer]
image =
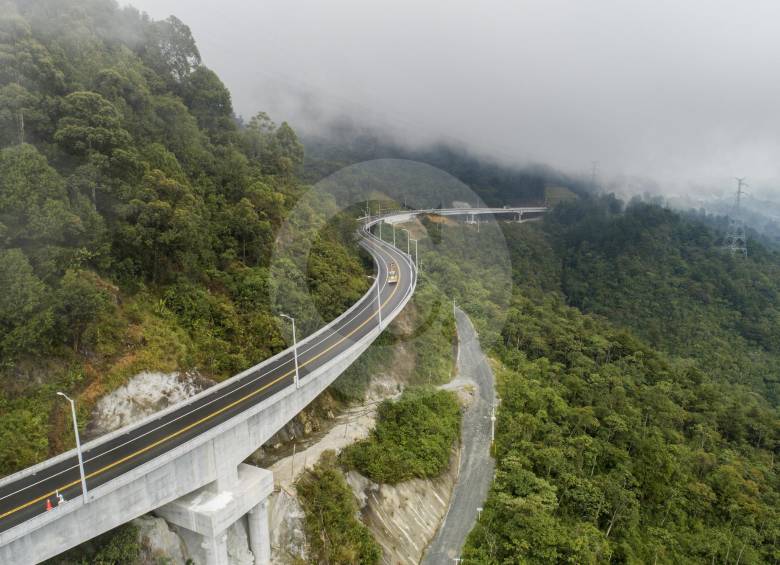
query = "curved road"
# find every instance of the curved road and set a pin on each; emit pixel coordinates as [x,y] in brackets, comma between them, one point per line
[25,494]
[476,466]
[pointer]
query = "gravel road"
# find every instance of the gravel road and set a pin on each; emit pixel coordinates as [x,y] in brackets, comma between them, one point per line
[476,465]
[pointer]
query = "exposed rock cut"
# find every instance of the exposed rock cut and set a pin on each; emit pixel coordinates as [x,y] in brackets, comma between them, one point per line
[286,522]
[404,518]
[159,544]
[143,395]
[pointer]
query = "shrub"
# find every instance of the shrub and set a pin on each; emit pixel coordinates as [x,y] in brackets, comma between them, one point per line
[413,437]
[334,534]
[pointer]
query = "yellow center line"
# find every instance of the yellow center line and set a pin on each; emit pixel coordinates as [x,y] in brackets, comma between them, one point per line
[202,420]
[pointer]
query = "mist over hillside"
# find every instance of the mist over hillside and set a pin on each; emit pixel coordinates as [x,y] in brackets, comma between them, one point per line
[345,142]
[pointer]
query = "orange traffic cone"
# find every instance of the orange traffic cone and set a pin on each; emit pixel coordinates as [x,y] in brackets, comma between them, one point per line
[48,504]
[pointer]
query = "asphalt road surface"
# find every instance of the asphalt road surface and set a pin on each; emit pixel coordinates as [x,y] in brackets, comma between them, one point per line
[476,466]
[27,496]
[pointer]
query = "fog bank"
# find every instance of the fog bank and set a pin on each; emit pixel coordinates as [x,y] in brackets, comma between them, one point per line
[685,94]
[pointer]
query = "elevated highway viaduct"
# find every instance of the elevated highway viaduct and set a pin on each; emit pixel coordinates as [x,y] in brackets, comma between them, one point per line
[186,462]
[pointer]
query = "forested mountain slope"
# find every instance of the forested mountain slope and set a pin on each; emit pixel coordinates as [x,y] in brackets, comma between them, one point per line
[667,277]
[136,217]
[610,449]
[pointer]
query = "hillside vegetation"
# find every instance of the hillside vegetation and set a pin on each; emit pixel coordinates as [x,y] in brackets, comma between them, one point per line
[137,217]
[413,438]
[334,533]
[609,451]
[635,431]
[667,278]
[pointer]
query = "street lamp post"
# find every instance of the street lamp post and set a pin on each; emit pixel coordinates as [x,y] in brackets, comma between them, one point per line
[408,239]
[295,350]
[378,301]
[78,444]
[393,234]
[493,424]
[415,253]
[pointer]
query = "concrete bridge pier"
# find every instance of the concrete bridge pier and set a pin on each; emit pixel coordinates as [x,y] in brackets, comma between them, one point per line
[259,533]
[207,513]
[215,549]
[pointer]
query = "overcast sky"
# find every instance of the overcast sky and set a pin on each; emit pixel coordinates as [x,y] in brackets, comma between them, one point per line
[685,92]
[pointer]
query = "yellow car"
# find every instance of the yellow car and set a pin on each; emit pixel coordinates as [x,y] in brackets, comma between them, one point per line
[392,274]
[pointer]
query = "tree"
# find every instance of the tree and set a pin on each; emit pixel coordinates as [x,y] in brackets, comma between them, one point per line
[90,123]
[289,149]
[209,101]
[161,229]
[251,231]
[170,49]
[25,318]
[79,302]
[34,205]
[23,59]
[277,148]
[19,113]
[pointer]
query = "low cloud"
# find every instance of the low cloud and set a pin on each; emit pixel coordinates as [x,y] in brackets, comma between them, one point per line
[683,95]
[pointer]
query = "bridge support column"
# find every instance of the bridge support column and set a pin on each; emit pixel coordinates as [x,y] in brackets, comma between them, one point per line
[209,511]
[215,549]
[259,534]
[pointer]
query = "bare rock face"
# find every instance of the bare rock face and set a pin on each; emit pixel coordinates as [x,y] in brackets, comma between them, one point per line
[286,524]
[143,395]
[158,543]
[404,518]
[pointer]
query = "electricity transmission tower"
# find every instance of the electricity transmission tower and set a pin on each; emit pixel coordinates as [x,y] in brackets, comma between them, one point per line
[736,239]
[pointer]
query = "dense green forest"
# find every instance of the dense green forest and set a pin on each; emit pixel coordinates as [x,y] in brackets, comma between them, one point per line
[666,276]
[618,441]
[609,451]
[137,217]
